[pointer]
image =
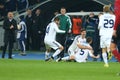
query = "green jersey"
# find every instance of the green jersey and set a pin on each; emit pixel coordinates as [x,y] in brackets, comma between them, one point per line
[65,22]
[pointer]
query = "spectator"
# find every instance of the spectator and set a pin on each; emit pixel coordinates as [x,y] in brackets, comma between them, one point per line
[10,5]
[9,25]
[2,10]
[37,30]
[91,19]
[65,24]
[77,25]
[32,2]
[22,4]
[29,23]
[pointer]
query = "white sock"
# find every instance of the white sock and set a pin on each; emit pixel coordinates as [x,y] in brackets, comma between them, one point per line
[66,58]
[104,55]
[46,55]
[56,53]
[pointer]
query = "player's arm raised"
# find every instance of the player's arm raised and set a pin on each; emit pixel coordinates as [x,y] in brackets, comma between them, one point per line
[100,22]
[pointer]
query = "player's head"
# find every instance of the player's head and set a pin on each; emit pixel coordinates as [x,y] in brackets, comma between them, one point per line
[57,20]
[89,40]
[106,8]
[83,33]
[63,10]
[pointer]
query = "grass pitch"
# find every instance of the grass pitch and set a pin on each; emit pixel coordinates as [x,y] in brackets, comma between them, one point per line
[40,70]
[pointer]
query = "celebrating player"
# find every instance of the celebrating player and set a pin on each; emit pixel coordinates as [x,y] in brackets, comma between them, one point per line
[50,37]
[105,26]
[80,38]
[81,53]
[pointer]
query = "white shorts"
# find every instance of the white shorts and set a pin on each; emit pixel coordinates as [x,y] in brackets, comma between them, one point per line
[105,42]
[71,52]
[52,44]
[81,56]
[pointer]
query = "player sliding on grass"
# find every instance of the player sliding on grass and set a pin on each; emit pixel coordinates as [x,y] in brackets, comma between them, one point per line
[79,49]
[106,23]
[50,41]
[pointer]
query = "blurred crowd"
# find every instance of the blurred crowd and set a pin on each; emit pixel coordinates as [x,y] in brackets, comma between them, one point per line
[15,5]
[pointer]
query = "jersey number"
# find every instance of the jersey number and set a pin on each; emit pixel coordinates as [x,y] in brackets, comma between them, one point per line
[108,23]
[81,52]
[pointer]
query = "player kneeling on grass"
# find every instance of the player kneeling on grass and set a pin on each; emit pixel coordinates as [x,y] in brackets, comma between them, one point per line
[22,35]
[81,53]
[50,39]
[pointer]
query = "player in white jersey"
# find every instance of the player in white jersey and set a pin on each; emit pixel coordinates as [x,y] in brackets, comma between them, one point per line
[73,46]
[106,23]
[50,39]
[80,38]
[81,55]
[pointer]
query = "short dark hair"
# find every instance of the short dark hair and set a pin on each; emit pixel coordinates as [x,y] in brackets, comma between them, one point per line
[89,39]
[63,8]
[56,19]
[83,30]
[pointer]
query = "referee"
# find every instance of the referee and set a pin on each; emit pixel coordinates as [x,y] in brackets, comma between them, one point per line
[65,24]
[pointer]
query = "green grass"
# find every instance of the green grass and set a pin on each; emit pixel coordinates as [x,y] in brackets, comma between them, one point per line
[40,70]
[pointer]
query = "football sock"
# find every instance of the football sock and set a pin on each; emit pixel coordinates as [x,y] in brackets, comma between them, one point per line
[66,58]
[104,55]
[56,53]
[46,55]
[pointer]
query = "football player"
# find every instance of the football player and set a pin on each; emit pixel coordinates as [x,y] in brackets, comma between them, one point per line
[50,39]
[106,23]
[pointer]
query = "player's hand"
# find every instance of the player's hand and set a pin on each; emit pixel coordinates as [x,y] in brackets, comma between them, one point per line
[69,31]
[98,56]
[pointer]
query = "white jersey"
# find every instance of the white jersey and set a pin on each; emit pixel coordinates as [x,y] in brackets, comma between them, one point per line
[73,47]
[106,23]
[51,31]
[82,54]
[22,33]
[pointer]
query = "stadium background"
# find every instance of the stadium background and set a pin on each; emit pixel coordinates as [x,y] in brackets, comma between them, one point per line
[39,70]
[48,8]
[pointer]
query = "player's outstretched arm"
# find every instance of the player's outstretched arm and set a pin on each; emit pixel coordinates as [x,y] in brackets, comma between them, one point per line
[84,47]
